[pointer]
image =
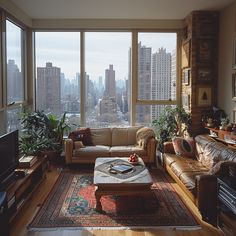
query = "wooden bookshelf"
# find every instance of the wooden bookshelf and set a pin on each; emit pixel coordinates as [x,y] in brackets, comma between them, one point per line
[23,187]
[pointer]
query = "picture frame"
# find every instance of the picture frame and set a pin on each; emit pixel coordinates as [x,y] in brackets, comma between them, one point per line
[186,54]
[204,96]
[234,54]
[204,75]
[234,85]
[205,49]
[186,76]
[186,101]
[234,116]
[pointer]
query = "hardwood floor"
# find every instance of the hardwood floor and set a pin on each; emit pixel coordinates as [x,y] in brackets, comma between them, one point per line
[19,225]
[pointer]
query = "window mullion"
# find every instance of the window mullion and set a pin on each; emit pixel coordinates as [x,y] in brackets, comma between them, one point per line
[134,76]
[82,79]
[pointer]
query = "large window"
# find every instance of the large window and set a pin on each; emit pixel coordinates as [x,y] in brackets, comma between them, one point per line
[107,78]
[58,73]
[15,63]
[97,91]
[156,73]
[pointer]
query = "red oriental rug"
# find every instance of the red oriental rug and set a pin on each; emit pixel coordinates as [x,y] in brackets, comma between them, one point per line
[71,204]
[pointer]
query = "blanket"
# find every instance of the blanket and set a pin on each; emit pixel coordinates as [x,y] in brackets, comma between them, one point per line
[143,135]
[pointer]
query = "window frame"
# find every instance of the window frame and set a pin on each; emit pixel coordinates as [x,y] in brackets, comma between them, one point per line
[4,106]
[134,68]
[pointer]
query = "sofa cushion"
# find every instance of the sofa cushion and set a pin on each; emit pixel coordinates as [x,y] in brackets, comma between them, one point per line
[189,179]
[212,154]
[132,135]
[170,158]
[184,146]
[119,136]
[126,151]
[228,154]
[187,165]
[201,142]
[78,145]
[92,151]
[82,134]
[101,136]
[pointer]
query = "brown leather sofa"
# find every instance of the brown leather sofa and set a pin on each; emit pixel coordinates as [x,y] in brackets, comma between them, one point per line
[197,176]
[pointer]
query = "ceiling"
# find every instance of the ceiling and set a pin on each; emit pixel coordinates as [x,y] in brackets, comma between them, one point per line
[116,9]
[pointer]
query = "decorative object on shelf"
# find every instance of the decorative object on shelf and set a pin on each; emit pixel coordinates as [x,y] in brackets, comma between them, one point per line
[204,74]
[234,115]
[234,85]
[205,49]
[215,114]
[186,54]
[186,101]
[186,76]
[234,54]
[224,123]
[204,96]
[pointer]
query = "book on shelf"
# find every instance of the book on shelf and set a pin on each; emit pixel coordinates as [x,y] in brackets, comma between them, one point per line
[26,162]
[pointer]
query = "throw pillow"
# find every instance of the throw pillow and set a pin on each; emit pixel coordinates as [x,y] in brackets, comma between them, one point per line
[83,135]
[184,146]
[78,144]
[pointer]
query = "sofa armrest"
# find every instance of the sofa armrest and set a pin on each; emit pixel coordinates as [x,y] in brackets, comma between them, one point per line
[151,150]
[168,147]
[68,150]
[206,187]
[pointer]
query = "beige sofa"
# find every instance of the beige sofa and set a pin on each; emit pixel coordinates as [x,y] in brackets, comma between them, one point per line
[114,142]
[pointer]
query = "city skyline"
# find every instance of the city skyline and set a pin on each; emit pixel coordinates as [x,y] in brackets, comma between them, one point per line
[66,55]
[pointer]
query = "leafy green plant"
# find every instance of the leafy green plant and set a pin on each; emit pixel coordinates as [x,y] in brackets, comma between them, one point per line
[173,121]
[41,132]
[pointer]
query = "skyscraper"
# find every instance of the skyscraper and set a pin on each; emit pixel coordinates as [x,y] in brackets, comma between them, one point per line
[110,82]
[48,89]
[144,83]
[161,78]
[14,83]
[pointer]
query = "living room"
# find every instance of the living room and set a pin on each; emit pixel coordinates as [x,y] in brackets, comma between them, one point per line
[200,35]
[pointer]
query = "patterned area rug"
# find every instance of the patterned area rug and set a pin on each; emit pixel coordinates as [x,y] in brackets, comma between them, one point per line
[71,203]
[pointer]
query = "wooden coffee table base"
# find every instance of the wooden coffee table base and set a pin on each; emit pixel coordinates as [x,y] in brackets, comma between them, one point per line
[108,185]
[123,190]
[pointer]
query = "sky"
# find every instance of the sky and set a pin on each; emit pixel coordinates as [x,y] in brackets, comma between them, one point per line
[101,50]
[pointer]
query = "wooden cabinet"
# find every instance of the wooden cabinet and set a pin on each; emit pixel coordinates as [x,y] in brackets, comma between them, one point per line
[22,188]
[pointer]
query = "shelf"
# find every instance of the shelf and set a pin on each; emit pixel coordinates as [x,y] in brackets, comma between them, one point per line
[22,189]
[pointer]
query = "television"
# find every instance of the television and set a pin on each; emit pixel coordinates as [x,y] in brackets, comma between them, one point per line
[9,158]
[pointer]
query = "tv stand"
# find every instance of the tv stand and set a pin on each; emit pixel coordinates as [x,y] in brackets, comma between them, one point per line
[8,181]
[22,188]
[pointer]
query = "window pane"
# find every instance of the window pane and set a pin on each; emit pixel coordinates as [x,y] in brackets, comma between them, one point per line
[58,74]
[15,73]
[13,119]
[157,66]
[107,78]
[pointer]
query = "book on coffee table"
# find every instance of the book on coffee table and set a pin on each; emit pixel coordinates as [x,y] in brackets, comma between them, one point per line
[122,168]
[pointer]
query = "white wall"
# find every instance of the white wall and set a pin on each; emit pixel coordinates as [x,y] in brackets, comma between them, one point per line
[226,38]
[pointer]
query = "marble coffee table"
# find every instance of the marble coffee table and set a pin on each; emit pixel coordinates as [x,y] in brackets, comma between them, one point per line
[137,181]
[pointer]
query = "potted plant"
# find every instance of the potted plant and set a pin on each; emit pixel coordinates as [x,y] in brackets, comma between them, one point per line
[173,121]
[41,132]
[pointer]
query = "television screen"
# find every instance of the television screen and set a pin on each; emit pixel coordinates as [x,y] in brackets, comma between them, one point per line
[9,154]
